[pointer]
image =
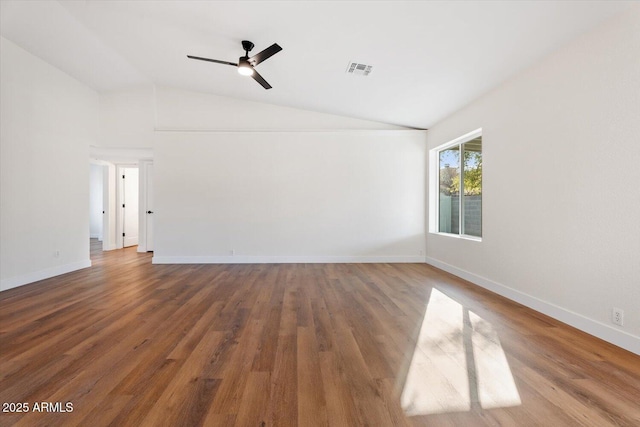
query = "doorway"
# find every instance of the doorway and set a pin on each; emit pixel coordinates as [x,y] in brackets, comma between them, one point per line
[124,200]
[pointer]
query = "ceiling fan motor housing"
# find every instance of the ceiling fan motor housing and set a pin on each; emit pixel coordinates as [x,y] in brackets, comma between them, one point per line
[247,45]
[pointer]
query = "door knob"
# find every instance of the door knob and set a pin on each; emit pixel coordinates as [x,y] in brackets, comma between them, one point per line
[149,212]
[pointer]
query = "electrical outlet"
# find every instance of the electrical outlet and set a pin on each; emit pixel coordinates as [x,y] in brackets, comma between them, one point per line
[233,251]
[56,254]
[618,316]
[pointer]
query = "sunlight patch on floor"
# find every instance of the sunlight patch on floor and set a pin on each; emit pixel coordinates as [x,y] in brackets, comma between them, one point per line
[458,362]
[496,387]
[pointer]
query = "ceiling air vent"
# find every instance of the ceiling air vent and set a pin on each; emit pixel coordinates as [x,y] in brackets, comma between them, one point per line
[359,69]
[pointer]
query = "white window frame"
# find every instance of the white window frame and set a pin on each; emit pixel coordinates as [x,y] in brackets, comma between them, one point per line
[434,187]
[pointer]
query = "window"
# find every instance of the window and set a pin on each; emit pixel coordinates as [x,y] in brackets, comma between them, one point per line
[459,192]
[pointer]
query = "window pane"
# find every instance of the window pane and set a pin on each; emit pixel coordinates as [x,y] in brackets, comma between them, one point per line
[472,187]
[449,165]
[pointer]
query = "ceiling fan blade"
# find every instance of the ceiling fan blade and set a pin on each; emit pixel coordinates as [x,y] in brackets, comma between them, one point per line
[212,60]
[265,54]
[257,77]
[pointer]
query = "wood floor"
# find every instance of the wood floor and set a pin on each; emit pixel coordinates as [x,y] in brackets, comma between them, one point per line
[128,343]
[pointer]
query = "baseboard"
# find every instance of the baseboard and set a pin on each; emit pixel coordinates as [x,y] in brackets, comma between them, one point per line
[590,326]
[244,259]
[25,279]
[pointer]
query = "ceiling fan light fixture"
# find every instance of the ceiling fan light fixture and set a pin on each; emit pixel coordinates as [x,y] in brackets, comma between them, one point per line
[245,69]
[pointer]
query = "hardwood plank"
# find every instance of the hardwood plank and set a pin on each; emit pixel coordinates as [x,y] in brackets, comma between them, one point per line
[341,408]
[145,385]
[104,415]
[235,374]
[255,400]
[312,408]
[283,396]
[186,398]
[355,373]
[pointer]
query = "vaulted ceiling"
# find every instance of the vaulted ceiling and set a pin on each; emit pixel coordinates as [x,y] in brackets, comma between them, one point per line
[429,58]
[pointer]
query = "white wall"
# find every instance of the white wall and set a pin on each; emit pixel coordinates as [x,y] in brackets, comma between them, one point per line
[561,171]
[127,118]
[48,122]
[95,200]
[220,161]
[290,196]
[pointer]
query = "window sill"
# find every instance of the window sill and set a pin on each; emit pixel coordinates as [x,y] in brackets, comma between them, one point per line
[458,236]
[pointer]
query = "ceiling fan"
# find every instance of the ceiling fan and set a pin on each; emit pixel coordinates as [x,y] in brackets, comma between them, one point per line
[245,64]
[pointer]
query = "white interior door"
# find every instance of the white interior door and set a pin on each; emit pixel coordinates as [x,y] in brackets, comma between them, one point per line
[150,208]
[130,207]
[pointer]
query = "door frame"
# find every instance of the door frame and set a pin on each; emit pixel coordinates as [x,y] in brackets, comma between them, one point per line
[143,185]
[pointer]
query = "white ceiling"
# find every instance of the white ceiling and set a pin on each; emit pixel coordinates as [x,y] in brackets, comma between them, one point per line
[429,58]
